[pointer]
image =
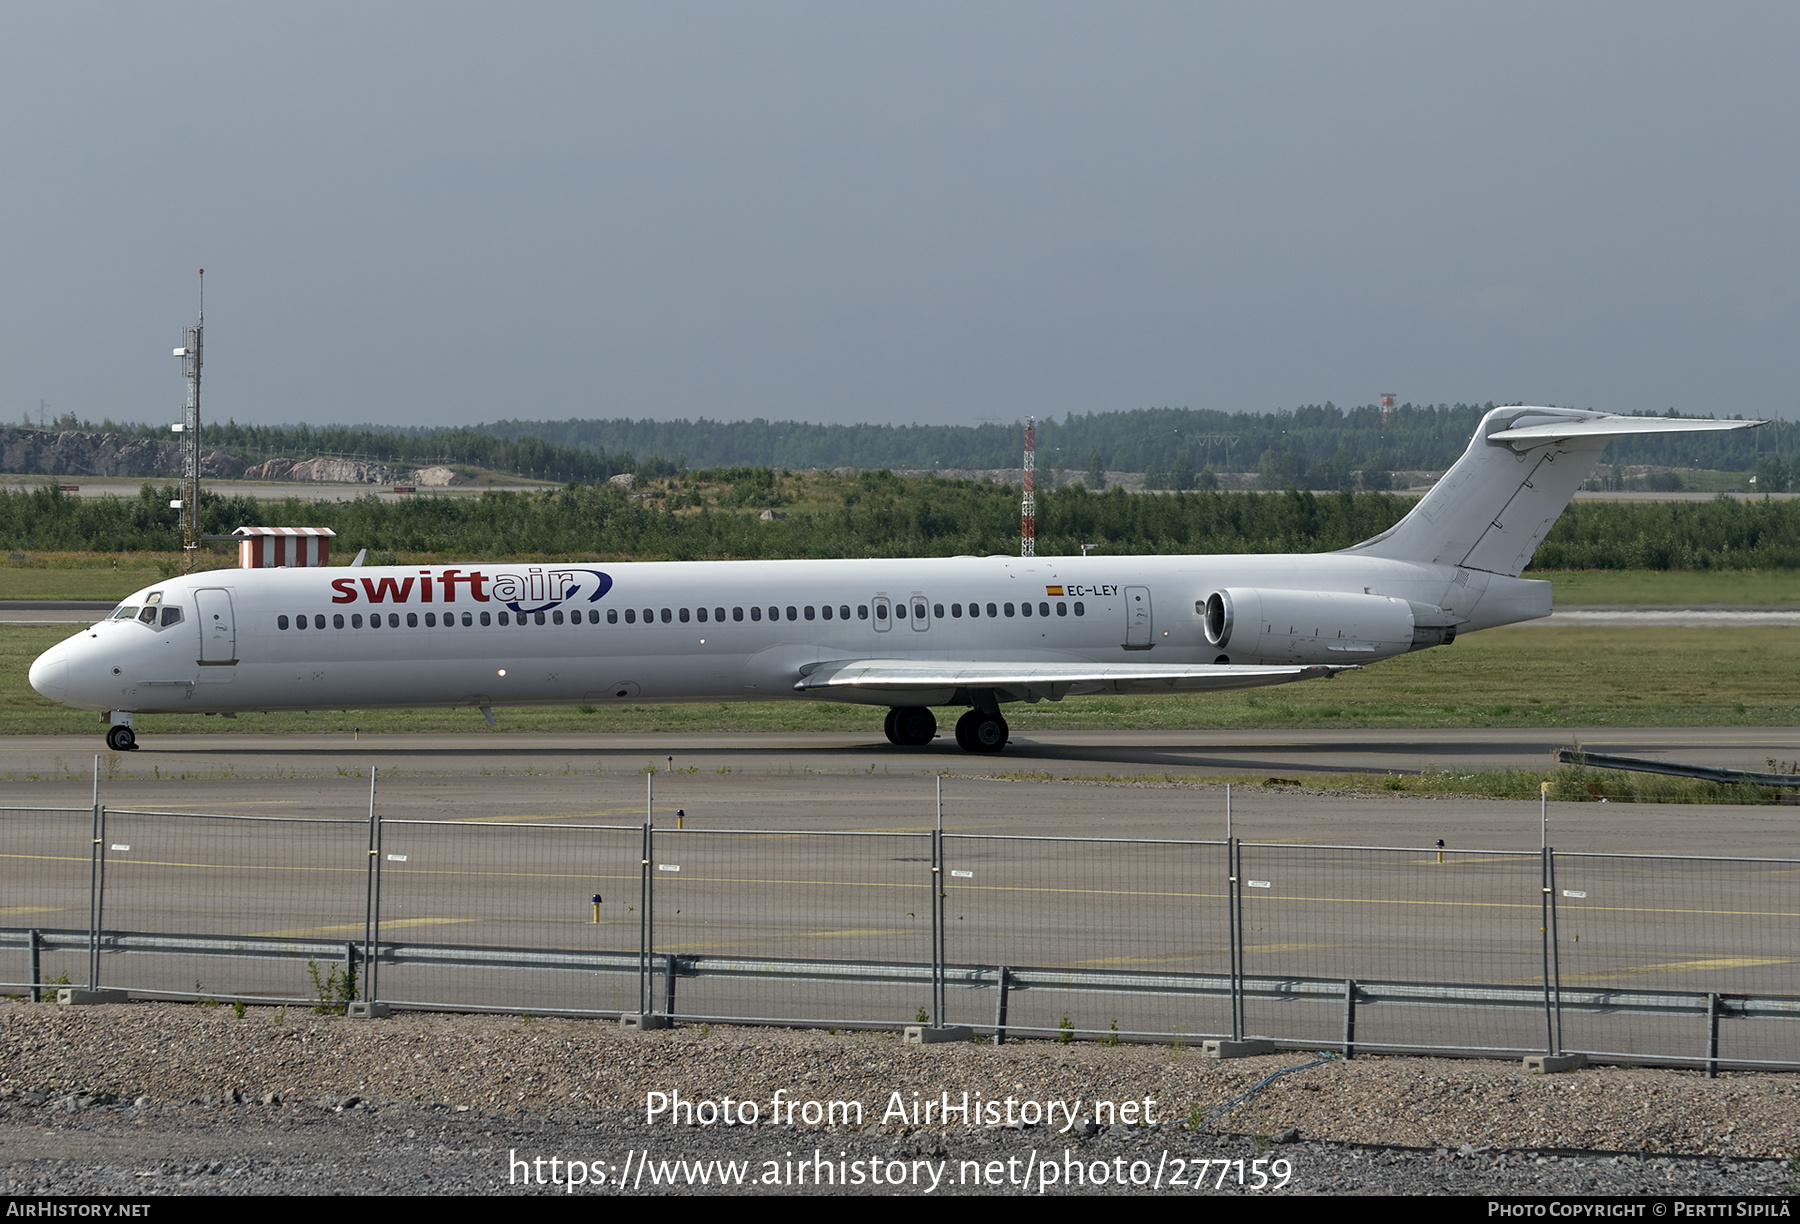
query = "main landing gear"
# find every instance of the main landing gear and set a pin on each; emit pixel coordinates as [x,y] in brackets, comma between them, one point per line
[120,739]
[916,726]
[910,726]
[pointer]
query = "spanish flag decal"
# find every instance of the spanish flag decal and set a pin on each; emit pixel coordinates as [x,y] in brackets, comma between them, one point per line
[1050,590]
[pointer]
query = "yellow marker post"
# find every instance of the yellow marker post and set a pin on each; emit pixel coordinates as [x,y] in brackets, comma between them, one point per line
[596,907]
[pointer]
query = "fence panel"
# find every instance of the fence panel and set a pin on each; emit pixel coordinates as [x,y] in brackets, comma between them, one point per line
[735,898]
[227,877]
[1089,907]
[1635,923]
[44,868]
[478,885]
[1463,918]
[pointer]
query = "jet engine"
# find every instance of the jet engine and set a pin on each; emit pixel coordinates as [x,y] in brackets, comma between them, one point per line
[1252,623]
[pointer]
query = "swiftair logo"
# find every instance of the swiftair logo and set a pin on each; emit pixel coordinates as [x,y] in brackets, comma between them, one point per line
[536,590]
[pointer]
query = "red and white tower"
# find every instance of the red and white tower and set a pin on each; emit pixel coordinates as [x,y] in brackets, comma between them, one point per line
[1028,511]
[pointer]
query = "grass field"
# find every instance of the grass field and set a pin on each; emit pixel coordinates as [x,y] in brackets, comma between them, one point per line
[116,575]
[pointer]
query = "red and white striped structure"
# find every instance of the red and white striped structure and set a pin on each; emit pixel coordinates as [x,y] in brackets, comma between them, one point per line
[1028,508]
[283,547]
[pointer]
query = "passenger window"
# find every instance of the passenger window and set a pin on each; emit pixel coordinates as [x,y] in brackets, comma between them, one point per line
[394,620]
[1043,609]
[937,610]
[431,620]
[737,614]
[862,611]
[412,620]
[593,616]
[774,614]
[809,613]
[825,611]
[1080,609]
[631,616]
[356,620]
[899,611]
[486,619]
[755,614]
[318,620]
[281,622]
[1009,610]
[992,612]
[555,617]
[700,615]
[612,616]
[538,617]
[468,621]
[503,618]
[793,612]
[1062,609]
[337,620]
[667,616]
[300,621]
[171,616]
[719,615]
[843,611]
[684,616]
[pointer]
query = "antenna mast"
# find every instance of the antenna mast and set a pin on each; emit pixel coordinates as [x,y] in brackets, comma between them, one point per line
[192,339]
[1028,511]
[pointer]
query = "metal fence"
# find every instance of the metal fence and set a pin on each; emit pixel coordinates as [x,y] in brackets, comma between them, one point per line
[1621,957]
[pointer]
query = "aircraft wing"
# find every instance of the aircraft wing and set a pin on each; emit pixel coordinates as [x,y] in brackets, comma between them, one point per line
[1032,681]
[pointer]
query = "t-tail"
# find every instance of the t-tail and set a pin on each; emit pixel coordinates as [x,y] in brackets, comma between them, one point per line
[1495,506]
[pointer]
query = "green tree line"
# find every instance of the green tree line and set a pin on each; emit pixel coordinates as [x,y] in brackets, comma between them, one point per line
[696,517]
[1316,446]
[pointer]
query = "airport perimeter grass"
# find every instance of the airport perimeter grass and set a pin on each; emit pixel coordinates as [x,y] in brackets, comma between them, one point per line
[1521,676]
[113,576]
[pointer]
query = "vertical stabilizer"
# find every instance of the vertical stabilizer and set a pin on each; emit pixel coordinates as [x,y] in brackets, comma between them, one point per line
[1492,510]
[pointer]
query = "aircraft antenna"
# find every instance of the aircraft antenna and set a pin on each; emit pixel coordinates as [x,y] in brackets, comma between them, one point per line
[192,339]
[1028,511]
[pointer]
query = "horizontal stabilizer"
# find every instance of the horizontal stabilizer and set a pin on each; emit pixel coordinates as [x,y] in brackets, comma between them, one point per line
[1053,680]
[1612,427]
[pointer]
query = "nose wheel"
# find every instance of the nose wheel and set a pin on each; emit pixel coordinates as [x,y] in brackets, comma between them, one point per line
[120,739]
[980,732]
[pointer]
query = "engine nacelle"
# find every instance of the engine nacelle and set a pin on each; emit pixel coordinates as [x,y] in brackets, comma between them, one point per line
[1250,623]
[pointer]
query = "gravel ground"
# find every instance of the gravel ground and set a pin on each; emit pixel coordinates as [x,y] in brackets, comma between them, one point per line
[165,1098]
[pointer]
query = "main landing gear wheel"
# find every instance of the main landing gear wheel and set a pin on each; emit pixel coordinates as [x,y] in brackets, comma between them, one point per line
[911,726]
[977,731]
[120,739]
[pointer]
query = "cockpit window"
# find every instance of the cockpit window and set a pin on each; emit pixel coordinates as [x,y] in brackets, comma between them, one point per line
[125,612]
[148,616]
[154,597]
[170,616]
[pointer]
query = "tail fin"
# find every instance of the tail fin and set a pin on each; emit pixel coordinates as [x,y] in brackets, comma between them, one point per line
[1494,507]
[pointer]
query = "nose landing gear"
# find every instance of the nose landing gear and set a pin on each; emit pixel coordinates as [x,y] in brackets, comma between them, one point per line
[120,739]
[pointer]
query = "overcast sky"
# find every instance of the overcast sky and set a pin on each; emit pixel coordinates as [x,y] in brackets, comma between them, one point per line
[447,213]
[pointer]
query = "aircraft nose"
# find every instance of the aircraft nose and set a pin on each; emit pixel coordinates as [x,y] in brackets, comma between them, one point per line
[50,674]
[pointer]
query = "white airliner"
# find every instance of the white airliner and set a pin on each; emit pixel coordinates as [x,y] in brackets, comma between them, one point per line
[974,632]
